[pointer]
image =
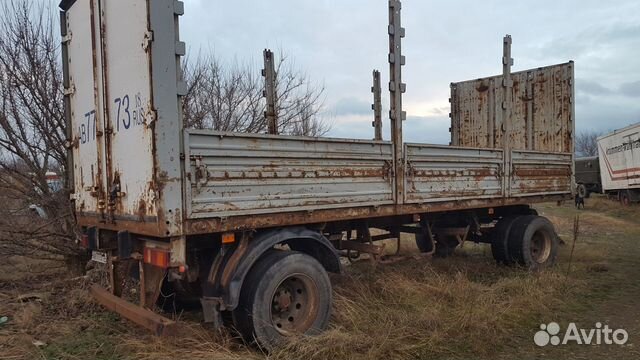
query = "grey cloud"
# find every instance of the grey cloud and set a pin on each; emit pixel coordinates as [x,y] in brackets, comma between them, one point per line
[427,129]
[351,106]
[602,37]
[631,89]
[591,87]
[593,39]
[441,110]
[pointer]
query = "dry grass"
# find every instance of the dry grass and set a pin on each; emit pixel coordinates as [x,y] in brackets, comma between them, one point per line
[420,309]
[460,307]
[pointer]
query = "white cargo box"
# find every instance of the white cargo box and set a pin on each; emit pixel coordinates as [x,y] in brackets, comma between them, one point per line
[620,159]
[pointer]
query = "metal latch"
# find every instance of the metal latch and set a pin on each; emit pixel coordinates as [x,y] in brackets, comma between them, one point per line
[201,174]
[387,170]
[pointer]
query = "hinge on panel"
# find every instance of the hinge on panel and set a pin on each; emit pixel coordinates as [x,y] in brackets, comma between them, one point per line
[70,90]
[151,115]
[147,40]
[67,38]
[68,144]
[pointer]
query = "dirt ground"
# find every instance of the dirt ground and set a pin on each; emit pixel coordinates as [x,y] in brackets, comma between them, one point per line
[456,308]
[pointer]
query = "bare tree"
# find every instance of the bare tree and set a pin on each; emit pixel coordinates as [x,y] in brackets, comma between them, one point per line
[587,143]
[32,124]
[32,134]
[231,98]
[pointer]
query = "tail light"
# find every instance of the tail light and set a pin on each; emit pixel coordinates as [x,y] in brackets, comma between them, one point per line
[84,241]
[157,257]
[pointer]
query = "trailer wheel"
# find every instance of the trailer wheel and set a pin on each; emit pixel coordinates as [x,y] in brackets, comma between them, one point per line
[625,199]
[500,241]
[285,293]
[533,242]
[424,244]
[582,191]
[445,245]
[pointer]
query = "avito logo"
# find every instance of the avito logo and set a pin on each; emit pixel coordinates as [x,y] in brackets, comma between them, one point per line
[550,334]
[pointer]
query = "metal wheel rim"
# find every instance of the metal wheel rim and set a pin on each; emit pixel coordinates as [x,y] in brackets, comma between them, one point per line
[294,304]
[540,247]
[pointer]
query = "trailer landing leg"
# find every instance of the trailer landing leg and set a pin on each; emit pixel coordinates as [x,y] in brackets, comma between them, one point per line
[158,324]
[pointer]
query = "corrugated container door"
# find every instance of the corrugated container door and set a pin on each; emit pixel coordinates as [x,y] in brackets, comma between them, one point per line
[126,48]
[84,93]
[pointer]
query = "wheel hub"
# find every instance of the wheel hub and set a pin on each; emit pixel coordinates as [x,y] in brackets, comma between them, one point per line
[540,247]
[294,305]
[282,301]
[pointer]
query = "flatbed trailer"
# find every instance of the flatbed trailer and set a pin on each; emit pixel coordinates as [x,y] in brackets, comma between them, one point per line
[250,224]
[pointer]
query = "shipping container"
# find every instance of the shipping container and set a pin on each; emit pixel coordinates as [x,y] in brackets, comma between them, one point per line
[231,219]
[619,154]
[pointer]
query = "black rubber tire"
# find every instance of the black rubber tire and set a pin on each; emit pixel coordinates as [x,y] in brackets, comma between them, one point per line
[423,243]
[525,231]
[582,191]
[252,317]
[500,241]
[445,245]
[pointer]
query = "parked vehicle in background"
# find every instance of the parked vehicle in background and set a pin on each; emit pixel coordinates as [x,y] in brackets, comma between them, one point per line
[619,154]
[249,225]
[588,176]
[55,184]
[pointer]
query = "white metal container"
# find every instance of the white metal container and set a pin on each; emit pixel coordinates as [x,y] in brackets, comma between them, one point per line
[620,159]
[122,87]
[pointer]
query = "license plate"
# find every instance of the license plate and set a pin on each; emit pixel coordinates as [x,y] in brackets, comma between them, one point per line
[99,256]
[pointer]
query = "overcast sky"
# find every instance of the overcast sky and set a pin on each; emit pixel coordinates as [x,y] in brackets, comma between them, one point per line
[339,43]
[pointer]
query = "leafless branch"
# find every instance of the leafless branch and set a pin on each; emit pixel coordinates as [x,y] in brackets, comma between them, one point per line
[587,143]
[32,133]
[231,98]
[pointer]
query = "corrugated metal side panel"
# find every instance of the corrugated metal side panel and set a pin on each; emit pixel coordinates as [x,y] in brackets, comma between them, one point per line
[445,173]
[82,99]
[241,174]
[127,47]
[538,173]
[541,110]
[620,159]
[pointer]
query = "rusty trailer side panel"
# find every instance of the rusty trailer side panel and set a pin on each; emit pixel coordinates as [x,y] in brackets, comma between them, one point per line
[540,110]
[540,173]
[446,173]
[242,174]
[439,173]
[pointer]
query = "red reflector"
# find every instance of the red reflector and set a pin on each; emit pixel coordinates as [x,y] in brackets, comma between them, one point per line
[156,257]
[84,241]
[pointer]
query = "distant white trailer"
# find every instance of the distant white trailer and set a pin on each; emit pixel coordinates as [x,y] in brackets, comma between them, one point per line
[620,163]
